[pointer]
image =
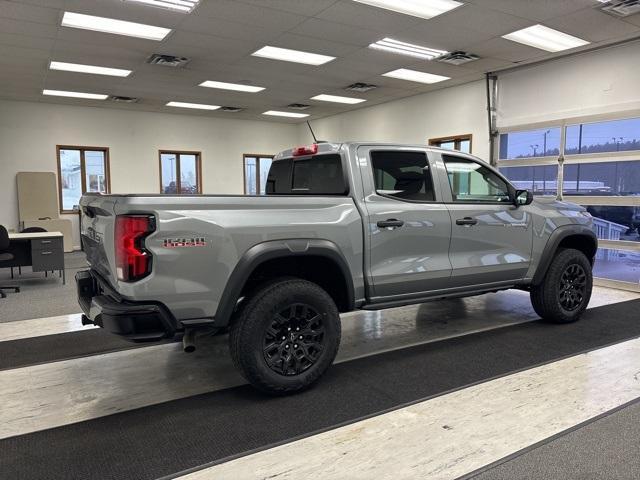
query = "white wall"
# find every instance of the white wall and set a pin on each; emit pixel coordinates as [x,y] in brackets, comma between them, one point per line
[29,133]
[600,82]
[451,111]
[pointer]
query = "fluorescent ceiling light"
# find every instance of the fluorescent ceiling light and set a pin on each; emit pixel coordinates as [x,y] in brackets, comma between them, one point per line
[118,27]
[199,106]
[76,67]
[276,113]
[415,76]
[62,93]
[416,8]
[545,38]
[296,56]
[402,48]
[185,6]
[231,86]
[337,99]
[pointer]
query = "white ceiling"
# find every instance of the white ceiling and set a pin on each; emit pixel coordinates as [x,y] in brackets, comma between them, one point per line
[220,35]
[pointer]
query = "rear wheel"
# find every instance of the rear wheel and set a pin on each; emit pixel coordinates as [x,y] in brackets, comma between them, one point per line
[566,288]
[285,336]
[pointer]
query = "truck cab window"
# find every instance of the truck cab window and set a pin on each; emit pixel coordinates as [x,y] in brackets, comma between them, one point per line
[316,175]
[473,182]
[403,175]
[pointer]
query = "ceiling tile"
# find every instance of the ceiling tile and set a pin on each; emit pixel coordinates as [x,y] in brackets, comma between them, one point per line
[337,32]
[246,14]
[21,52]
[442,37]
[201,46]
[480,19]
[26,41]
[633,19]
[487,64]
[227,29]
[28,29]
[508,50]
[592,25]
[29,13]
[376,61]
[535,10]
[294,6]
[75,51]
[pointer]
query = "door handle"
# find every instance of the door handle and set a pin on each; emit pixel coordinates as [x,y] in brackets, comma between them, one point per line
[390,223]
[468,221]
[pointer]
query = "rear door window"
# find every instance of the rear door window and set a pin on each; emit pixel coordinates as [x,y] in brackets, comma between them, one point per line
[403,175]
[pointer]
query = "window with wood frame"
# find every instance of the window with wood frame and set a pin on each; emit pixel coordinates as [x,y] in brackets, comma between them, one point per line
[180,172]
[81,170]
[461,143]
[256,170]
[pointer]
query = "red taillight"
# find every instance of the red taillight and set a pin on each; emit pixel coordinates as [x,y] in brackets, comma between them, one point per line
[132,261]
[306,150]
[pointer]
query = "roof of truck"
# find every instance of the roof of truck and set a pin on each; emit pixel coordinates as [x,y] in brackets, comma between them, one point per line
[335,147]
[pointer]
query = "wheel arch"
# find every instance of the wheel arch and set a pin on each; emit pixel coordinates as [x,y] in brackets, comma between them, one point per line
[580,237]
[279,258]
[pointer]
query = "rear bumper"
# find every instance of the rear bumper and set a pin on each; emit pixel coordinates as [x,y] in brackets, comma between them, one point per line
[136,321]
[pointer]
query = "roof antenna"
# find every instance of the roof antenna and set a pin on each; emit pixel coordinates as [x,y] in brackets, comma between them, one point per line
[314,135]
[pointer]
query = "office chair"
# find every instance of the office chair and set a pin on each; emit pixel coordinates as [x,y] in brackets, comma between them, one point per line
[5,257]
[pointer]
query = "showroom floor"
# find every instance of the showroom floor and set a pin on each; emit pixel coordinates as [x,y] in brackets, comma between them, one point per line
[440,390]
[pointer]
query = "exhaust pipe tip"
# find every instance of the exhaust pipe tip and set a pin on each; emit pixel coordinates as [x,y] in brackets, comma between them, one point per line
[189,340]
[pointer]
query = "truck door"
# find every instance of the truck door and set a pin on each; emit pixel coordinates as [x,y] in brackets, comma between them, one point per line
[408,226]
[491,239]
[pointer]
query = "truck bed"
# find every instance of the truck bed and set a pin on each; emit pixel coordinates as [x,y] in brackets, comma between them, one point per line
[189,276]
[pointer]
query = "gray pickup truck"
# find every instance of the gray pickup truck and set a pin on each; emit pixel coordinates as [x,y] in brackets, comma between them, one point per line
[342,227]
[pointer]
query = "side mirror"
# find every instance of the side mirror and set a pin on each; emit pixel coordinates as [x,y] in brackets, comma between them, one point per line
[523,197]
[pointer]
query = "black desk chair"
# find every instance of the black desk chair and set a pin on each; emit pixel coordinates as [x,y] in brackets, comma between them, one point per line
[5,256]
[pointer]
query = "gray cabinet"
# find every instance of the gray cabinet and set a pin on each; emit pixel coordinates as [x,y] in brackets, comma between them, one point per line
[47,254]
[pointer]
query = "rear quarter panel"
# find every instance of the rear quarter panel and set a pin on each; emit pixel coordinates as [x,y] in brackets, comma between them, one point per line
[190,280]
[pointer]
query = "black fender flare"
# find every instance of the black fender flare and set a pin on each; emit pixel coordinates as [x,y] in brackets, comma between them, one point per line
[551,247]
[270,250]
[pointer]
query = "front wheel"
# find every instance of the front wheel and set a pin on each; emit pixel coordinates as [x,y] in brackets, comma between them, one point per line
[566,288]
[285,336]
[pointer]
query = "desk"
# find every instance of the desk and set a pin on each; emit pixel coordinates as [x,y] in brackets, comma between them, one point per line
[43,251]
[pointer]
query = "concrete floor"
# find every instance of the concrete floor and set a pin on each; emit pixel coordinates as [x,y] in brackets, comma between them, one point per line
[68,391]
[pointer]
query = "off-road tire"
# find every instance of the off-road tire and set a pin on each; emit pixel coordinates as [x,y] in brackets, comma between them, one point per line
[546,297]
[248,334]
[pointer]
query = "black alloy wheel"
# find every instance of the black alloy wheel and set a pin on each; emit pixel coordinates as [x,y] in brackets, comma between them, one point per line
[285,335]
[294,339]
[565,290]
[573,286]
